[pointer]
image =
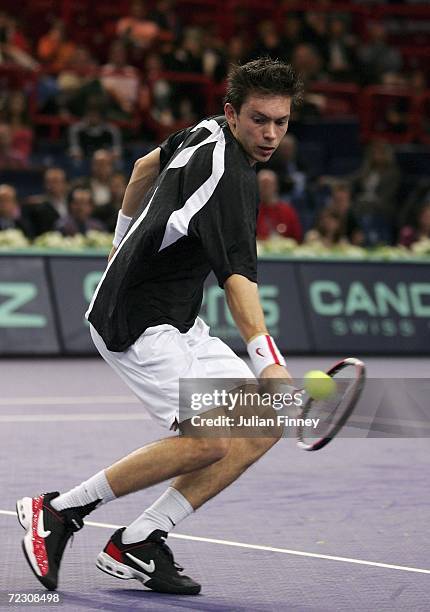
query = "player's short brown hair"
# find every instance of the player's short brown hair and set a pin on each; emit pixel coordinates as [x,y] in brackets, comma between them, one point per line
[263,76]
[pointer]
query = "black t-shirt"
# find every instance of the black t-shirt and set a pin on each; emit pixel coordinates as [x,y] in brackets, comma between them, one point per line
[199,216]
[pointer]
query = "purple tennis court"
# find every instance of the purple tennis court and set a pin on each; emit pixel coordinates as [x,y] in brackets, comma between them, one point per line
[342,529]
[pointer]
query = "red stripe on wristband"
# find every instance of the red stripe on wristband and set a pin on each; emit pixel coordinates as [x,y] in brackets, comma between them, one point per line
[272,349]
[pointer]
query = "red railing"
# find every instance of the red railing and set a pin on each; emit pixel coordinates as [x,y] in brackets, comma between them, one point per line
[370,104]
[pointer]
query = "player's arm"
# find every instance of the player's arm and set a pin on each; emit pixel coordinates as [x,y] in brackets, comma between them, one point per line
[245,307]
[144,175]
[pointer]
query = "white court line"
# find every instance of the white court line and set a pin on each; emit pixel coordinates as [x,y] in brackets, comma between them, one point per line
[53,418]
[284,551]
[68,400]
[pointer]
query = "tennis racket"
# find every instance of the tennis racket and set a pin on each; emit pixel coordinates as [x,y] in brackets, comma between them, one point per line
[332,413]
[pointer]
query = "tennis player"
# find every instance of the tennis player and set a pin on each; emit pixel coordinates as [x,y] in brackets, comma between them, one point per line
[190,207]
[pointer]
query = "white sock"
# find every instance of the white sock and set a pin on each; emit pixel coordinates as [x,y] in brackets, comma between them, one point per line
[93,489]
[169,510]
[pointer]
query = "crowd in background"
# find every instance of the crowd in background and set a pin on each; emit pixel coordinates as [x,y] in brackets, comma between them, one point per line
[120,94]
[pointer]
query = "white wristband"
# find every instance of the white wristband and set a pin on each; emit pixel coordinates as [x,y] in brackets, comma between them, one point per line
[264,352]
[122,224]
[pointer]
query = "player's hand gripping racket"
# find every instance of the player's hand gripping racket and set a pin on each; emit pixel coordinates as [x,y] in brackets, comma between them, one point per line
[332,413]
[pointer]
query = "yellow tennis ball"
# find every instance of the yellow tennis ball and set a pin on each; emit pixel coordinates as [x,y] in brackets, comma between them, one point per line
[319,385]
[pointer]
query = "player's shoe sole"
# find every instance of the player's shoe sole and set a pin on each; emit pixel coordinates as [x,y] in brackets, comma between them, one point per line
[161,575]
[110,566]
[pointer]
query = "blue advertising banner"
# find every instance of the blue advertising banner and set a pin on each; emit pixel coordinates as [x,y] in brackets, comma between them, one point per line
[370,308]
[354,307]
[74,282]
[26,317]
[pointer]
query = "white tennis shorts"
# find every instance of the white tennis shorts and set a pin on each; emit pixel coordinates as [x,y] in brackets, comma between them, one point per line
[153,365]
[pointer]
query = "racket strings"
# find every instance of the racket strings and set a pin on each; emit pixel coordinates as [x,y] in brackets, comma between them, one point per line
[323,415]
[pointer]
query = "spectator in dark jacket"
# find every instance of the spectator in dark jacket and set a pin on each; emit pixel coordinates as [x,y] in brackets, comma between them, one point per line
[46,209]
[94,133]
[377,57]
[80,219]
[108,213]
[341,204]
[375,186]
[11,215]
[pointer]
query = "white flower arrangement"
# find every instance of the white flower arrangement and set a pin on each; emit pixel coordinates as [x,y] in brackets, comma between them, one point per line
[13,239]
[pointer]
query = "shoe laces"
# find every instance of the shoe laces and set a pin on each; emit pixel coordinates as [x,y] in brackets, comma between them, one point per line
[71,525]
[68,533]
[167,550]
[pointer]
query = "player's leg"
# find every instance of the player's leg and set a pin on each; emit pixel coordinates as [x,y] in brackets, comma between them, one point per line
[50,519]
[201,485]
[187,494]
[247,444]
[144,551]
[143,538]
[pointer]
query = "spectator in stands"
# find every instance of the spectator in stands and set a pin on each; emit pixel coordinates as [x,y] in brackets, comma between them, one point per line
[308,62]
[276,217]
[234,52]
[93,132]
[14,47]
[291,34]
[396,114]
[420,230]
[167,19]
[98,183]
[54,49]
[291,176]
[78,82]
[46,209]
[375,56]
[11,214]
[268,42]
[375,187]
[340,50]
[16,115]
[188,56]
[156,93]
[418,81]
[341,204]
[315,32]
[419,194]
[121,82]
[109,212]
[68,92]
[213,51]
[79,219]
[9,158]
[419,84]
[137,29]
[327,231]
[242,22]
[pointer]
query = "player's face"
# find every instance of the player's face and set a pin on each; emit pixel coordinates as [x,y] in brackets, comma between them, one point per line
[260,125]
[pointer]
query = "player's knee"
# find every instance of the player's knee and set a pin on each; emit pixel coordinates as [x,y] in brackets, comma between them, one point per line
[259,446]
[210,450]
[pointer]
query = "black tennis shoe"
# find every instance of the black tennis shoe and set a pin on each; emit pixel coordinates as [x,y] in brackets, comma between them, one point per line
[48,532]
[149,561]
